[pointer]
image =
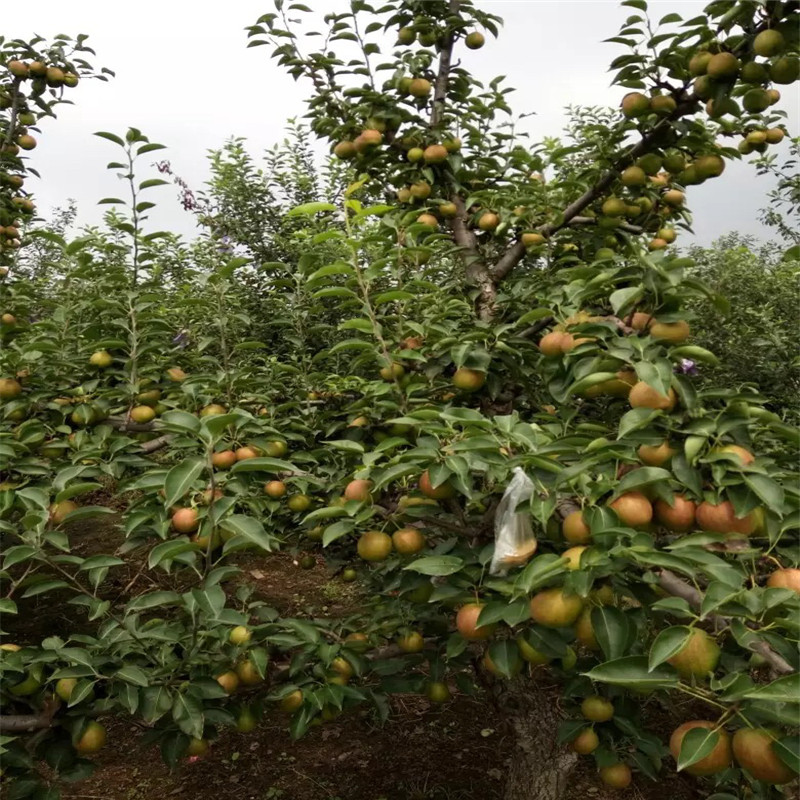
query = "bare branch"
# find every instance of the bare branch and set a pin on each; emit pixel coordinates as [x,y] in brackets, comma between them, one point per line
[443,74]
[672,584]
[537,327]
[14,111]
[516,251]
[566,507]
[476,269]
[125,424]
[156,444]
[623,226]
[24,723]
[508,261]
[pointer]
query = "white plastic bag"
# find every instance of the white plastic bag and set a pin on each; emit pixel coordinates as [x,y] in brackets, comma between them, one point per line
[515,542]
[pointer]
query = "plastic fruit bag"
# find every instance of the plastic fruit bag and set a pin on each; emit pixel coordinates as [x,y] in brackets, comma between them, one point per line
[515,542]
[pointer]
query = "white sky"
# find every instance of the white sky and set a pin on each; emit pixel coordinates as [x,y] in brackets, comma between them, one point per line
[187,80]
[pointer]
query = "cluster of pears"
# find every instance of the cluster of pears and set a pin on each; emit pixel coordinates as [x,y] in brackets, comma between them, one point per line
[42,74]
[375,545]
[378,130]
[14,205]
[624,383]
[423,29]
[647,196]
[10,236]
[720,76]
[91,736]
[751,748]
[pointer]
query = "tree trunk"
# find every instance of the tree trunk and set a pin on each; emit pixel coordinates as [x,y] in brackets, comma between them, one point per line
[540,768]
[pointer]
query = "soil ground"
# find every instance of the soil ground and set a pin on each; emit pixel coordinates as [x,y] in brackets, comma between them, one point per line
[456,752]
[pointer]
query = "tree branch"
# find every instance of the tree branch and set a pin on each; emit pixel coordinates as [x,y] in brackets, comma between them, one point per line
[125,424]
[624,226]
[537,327]
[156,444]
[477,272]
[565,507]
[673,585]
[13,113]
[516,251]
[24,723]
[443,74]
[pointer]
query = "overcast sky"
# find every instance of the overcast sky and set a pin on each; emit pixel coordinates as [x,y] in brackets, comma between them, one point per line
[185,77]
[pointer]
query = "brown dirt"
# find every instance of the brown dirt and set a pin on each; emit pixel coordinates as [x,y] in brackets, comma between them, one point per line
[450,754]
[457,752]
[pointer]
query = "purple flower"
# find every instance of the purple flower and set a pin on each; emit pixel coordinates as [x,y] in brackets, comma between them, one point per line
[188,200]
[181,339]
[687,367]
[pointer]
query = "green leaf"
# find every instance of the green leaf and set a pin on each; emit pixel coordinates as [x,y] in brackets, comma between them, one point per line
[152,600]
[211,599]
[717,594]
[81,691]
[18,554]
[33,495]
[767,490]
[545,641]
[181,421]
[783,690]
[188,715]
[694,353]
[88,512]
[112,137]
[249,528]
[149,148]
[357,324]
[590,380]
[436,565]
[533,315]
[7,606]
[788,750]
[391,297]
[150,182]
[326,512]
[306,630]
[540,570]
[262,464]
[155,702]
[166,551]
[42,588]
[668,642]
[95,562]
[657,375]
[180,478]
[635,419]
[337,530]
[696,745]
[622,300]
[132,674]
[633,672]
[345,444]
[77,489]
[611,629]
[352,344]
[310,208]
[505,657]
[642,476]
